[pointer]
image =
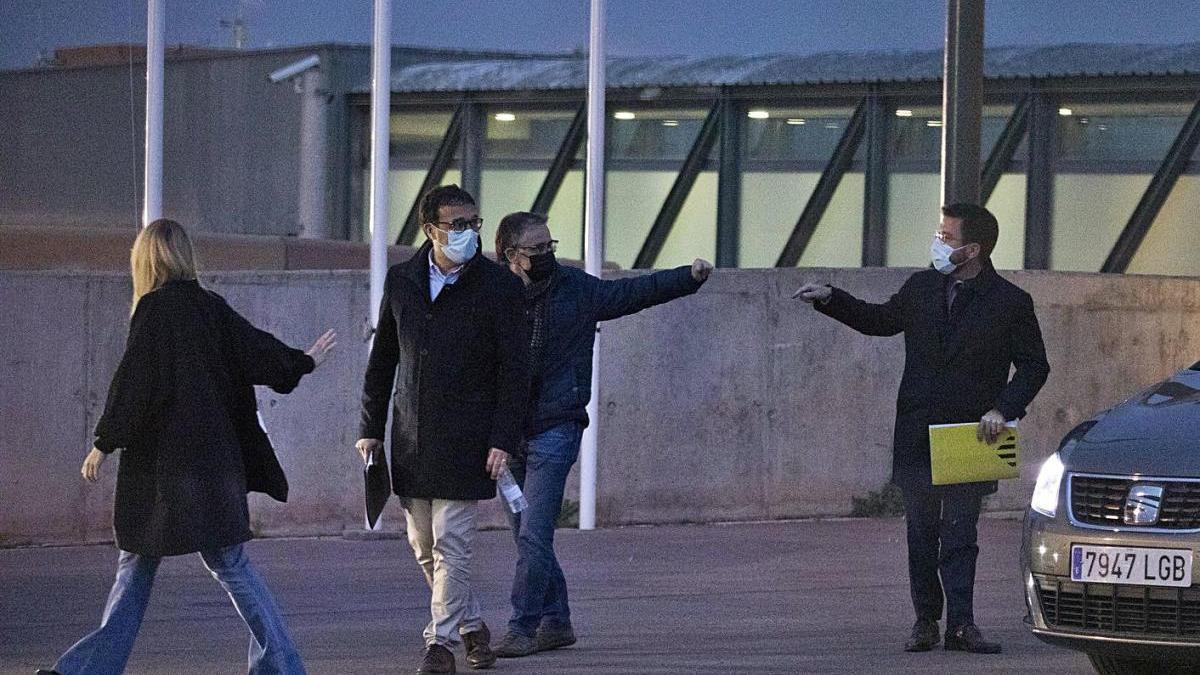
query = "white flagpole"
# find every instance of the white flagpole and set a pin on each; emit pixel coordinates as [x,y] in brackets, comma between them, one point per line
[381,95]
[381,103]
[155,38]
[593,253]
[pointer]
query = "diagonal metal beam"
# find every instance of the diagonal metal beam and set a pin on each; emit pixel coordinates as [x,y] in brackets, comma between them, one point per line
[1156,194]
[692,166]
[563,162]
[435,174]
[1001,156]
[827,185]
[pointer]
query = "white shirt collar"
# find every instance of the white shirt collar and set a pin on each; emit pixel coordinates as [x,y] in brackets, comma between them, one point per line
[434,269]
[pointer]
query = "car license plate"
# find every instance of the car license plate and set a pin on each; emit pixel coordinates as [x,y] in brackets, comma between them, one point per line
[1128,565]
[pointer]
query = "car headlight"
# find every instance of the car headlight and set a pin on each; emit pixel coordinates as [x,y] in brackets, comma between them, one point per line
[1045,493]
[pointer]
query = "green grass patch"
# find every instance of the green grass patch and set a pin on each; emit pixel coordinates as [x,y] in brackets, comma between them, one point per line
[887,502]
[568,515]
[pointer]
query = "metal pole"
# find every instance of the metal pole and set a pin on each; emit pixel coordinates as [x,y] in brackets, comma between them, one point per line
[962,101]
[593,252]
[473,130]
[381,99]
[381,109]
[156,28]
[729,183]
[314,222]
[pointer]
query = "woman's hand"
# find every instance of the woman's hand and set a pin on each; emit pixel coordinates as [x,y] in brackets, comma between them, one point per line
[91,465]
[321,348]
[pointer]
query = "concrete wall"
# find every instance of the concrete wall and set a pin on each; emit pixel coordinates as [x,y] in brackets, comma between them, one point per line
[736,403]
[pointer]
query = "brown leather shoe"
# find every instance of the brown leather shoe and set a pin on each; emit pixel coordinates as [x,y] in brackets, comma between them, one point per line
[968,639]
[438,661]
[925,636]
[479,650]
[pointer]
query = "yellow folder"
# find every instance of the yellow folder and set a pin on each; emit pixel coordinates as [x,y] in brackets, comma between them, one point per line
[957,456]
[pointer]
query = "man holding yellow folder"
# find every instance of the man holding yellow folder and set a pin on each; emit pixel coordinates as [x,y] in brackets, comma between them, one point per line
[964,326]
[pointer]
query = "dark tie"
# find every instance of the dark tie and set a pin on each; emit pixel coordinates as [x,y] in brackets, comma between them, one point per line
[952,295]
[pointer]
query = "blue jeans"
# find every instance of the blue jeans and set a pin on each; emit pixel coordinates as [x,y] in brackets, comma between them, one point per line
[105,650]
[539,592]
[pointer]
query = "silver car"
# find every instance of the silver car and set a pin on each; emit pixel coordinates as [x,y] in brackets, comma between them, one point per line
[1112,534]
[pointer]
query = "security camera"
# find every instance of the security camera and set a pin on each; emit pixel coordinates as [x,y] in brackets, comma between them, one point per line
[289,71]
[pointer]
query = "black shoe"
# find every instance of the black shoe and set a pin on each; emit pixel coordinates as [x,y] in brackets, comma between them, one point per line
[968,639]
[548,638]
[438,661]
[925,636]
[514,645]
[47,671]
[479,651]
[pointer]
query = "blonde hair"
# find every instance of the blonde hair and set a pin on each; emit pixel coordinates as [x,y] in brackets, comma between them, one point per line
[162,252]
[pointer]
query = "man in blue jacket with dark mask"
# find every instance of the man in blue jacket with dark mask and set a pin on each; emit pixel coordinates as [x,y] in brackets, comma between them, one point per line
[563,306]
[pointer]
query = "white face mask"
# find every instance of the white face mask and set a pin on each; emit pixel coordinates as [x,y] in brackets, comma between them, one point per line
[939,253]
[460,246]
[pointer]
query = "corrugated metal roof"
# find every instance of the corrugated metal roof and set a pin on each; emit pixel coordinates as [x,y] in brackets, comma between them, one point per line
[570,71]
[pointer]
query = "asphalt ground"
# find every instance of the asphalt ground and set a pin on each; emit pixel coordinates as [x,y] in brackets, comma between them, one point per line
[785,597]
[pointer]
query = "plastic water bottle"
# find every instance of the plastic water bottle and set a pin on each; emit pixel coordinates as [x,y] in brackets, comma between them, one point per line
[513,497]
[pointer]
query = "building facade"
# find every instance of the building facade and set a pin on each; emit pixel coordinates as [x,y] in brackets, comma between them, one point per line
[824,160]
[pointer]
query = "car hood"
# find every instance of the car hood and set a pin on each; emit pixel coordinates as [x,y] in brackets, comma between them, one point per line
[1156,432]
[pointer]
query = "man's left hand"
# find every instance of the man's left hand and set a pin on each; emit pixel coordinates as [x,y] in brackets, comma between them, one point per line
[701,268]
[496,461]
[91,465]
[991,426]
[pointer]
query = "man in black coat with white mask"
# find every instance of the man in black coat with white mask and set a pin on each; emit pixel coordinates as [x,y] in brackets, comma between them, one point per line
[964,327]
[451,357]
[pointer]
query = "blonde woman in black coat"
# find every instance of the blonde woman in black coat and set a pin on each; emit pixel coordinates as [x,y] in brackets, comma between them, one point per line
[181,409]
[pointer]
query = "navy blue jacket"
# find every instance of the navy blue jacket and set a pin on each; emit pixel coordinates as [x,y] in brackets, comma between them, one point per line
[578,301]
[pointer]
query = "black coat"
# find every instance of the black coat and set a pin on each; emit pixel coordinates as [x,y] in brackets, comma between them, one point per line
[563,374]
[956,367]
[182,407]
[456,372]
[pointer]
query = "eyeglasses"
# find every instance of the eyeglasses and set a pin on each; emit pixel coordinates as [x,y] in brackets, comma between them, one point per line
[937,234]
[460,224]
[537,249]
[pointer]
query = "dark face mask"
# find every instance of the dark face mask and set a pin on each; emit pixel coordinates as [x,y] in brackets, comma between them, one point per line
[541,266]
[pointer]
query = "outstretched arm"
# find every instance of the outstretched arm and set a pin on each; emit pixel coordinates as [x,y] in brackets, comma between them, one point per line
[261,358]
[615,298]
[867,318]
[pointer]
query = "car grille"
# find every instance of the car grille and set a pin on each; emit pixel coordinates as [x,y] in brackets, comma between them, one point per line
[1101,501]
[1118,609]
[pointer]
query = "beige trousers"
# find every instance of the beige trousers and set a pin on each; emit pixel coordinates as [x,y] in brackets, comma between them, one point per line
[441,532]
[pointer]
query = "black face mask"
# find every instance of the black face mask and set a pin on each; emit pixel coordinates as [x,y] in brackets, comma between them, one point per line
[541,266]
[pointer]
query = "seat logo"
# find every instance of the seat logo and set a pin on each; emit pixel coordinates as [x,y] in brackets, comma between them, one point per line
[1142,504]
